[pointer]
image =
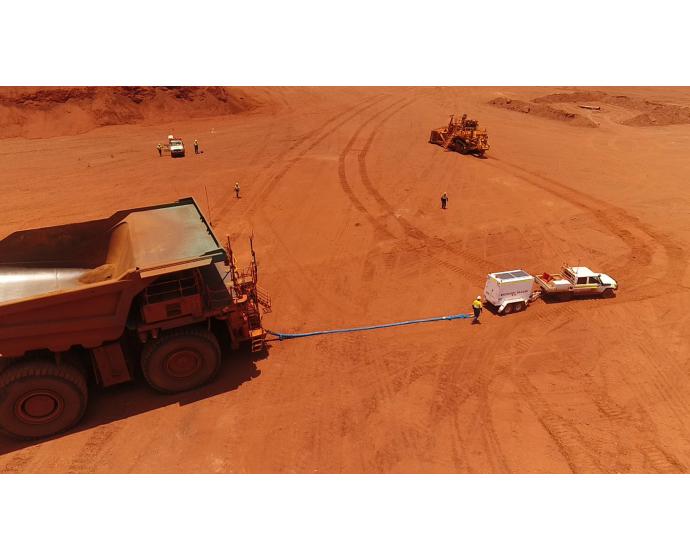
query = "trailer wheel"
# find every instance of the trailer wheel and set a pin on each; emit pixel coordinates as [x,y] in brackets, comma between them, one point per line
[518,306]
[39,398]
[180,360]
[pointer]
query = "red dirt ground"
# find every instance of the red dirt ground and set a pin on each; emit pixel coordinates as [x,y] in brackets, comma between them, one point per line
[342,192]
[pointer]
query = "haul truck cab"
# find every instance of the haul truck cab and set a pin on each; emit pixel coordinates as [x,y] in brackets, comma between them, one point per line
[144,291]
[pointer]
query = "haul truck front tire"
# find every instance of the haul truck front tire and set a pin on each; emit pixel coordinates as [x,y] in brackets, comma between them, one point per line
[181,360]
[39,398]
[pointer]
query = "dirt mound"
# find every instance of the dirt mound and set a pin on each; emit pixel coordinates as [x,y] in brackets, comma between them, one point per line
[542,110]
[33,112]
[661,116]
[650,113]
[624,101]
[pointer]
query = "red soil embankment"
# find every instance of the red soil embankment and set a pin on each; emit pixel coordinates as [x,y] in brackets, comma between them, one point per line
[650,113]
[45,112]
[542,110]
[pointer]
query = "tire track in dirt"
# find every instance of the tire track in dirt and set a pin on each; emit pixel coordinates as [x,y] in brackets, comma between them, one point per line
[492,443]
[361,107]
[492,446]
[17,464]
[572,445]
[662,384]
[356,351]
[431,244]
[576,450]
[608,215]
[275,180]
[566,436]
[615,219]
[568,439]
[446,400]
[466,373]
[89,454]
[378,394]
[377,224]
[380,228]
[259,196]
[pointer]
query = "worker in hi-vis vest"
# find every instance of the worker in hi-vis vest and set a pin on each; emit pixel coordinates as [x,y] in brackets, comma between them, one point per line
[477,308]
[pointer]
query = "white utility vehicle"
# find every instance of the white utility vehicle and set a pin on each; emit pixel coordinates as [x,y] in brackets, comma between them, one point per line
[176,147]
[510,291]
[577,281]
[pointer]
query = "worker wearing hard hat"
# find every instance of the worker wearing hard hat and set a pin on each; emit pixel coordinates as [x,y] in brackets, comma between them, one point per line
[444,200]
[160,150]
[196,146]
[237,190]
[477,308]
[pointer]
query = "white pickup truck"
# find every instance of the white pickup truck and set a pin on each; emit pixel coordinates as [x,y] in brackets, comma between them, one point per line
[577,281]
[176,147]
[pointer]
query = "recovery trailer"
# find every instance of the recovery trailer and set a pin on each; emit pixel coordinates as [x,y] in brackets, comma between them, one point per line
[510,291]
[576,281]
[148,289]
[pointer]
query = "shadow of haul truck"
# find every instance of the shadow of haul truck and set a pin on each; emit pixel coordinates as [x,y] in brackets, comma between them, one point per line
[148,289]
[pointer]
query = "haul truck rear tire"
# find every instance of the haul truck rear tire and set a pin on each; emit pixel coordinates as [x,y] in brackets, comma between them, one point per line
[39,398]
[181,360]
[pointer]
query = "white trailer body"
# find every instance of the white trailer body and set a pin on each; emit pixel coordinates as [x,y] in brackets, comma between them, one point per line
[509,291]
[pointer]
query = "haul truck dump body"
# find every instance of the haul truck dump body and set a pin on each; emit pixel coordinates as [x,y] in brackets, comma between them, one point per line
[144,289]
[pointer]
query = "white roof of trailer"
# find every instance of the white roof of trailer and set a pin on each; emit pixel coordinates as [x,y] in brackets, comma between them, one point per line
[511,276]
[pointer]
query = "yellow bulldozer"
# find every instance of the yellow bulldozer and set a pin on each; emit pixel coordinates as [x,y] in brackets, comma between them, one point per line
[462,136]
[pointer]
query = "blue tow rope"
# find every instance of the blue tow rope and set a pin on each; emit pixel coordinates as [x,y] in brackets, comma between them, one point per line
[284,336]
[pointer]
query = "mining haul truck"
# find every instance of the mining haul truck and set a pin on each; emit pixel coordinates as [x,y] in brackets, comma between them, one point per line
[461,136]
[148,290]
